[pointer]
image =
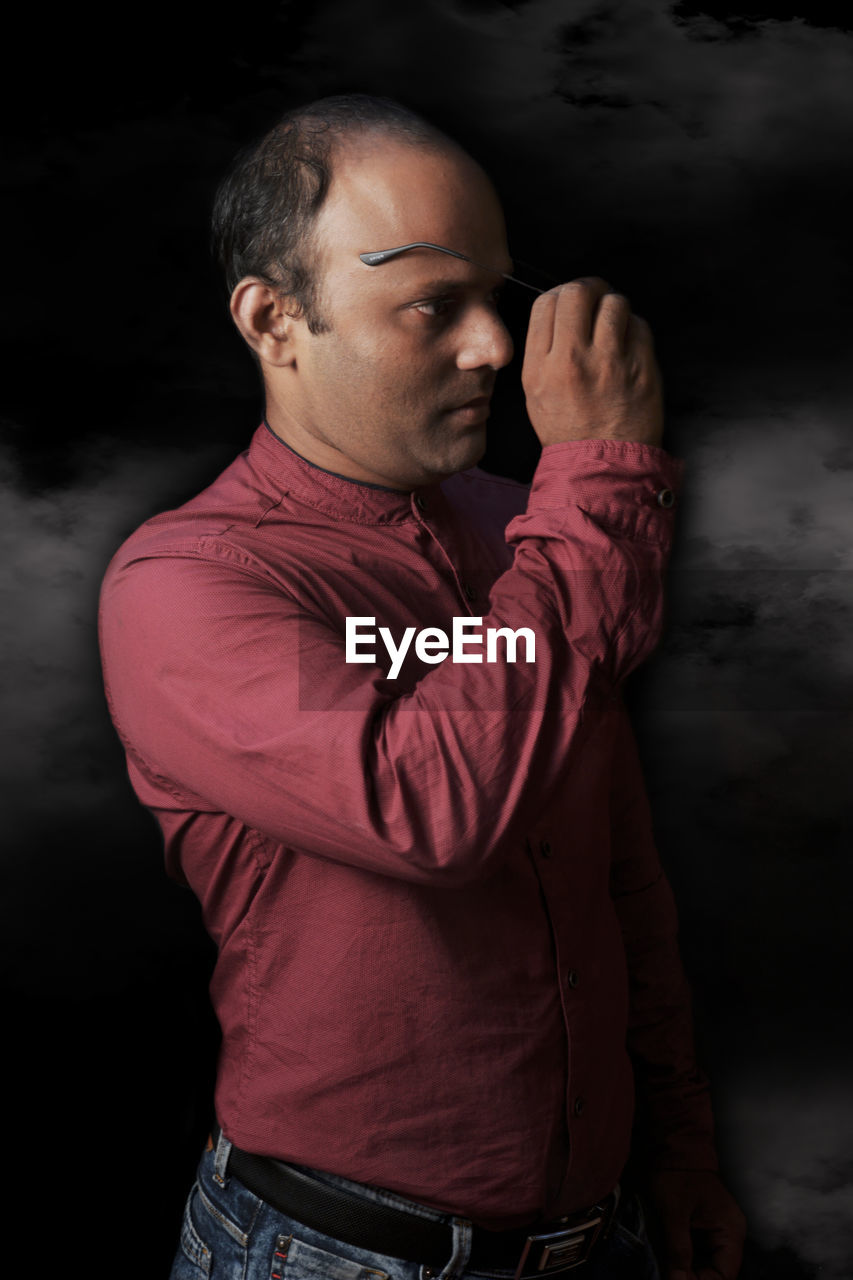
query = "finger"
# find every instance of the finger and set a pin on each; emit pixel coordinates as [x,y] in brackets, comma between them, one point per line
[612,320]
[639,331]
[540,329]
[576,307]
[595,283]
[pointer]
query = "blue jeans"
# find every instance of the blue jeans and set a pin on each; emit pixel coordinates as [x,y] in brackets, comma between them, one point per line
[229,1233]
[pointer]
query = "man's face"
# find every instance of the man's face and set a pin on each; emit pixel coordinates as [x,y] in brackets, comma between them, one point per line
[411,340]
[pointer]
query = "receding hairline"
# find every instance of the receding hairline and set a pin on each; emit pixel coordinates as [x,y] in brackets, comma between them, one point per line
[373,137]
[357,143]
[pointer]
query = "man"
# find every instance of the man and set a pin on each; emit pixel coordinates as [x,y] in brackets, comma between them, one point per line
[443,931]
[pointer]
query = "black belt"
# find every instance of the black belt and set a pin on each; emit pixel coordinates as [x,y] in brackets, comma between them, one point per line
[379,1228]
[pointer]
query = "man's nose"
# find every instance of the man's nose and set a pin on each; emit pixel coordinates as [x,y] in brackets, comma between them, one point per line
[485,341]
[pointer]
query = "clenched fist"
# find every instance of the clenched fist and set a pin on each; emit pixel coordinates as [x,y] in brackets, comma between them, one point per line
[589,368]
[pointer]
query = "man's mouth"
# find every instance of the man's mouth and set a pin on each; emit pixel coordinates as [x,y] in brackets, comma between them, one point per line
[475,405]
[476,410]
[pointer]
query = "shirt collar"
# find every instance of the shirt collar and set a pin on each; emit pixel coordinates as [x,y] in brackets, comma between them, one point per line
[336,495]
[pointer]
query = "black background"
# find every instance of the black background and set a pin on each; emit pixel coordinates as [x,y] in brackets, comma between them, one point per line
[697,156]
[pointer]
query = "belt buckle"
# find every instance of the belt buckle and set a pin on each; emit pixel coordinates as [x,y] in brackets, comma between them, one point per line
[554,1251]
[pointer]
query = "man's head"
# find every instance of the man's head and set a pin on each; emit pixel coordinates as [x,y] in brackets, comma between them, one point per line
[365,368]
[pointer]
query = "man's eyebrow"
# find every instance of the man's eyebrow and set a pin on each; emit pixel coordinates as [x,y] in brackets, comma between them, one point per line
[376,257]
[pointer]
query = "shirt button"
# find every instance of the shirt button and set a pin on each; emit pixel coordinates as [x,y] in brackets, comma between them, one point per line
[665,498]
[545,848]
[420,502]
[470,592]
[572,978]
[580,1106]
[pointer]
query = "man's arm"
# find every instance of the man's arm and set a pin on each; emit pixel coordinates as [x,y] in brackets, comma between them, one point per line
[673,1094]
[205,656]
[427,786]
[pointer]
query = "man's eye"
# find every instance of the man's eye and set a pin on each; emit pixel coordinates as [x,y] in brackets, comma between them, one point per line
[441,308]
[435,307]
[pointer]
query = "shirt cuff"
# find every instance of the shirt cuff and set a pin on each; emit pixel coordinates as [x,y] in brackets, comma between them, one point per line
[623,485]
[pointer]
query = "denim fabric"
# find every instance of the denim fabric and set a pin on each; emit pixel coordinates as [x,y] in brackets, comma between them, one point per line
[228,1233]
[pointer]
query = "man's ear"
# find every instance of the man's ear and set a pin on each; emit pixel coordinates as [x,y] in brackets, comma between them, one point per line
[265,319]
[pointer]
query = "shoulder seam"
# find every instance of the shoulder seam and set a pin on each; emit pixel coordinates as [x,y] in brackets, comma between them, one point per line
[212,547]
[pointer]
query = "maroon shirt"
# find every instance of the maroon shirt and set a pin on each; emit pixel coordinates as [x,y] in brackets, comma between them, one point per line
[440,916]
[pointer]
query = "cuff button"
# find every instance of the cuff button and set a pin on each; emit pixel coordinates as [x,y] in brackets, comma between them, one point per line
[665,498]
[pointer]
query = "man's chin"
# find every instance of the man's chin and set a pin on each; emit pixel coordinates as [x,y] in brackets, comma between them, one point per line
[468,451]
[449,455]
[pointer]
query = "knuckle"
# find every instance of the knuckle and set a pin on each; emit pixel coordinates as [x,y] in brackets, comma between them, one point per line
[583,285]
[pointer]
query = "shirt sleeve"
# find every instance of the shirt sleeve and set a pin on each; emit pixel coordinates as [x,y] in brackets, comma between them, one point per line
[673,1095]
[207,660]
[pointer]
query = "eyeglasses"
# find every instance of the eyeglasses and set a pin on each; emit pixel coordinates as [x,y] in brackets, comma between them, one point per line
[379,256]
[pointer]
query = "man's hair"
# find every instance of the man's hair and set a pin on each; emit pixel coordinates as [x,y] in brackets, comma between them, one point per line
[267,205]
